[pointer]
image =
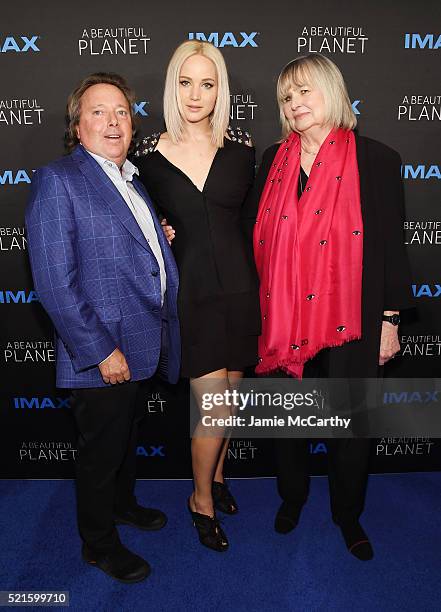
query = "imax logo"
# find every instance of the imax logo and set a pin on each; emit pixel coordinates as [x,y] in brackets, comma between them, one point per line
[431,291]
[18,297]
[21,45]
[411,397]
[355,104]
[420,172]
[426,290]
[139,108]
[150,451]
[39,403]
[416,41]
[11,177]
[316,449]
[228,39]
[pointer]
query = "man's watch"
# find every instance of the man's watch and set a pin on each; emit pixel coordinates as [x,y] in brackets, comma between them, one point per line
[394,319]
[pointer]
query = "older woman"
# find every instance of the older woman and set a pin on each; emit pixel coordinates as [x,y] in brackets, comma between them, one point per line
[198,172]
[333,270]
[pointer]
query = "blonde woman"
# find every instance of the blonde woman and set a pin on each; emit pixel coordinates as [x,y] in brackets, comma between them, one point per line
[198,173]
[333,270]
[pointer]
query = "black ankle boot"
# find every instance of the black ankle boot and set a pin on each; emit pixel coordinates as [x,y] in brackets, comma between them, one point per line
[222,498]
[209,530]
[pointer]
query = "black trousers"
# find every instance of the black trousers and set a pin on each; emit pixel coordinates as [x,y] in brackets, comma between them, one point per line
[107,422]
[347,474]
[348,460]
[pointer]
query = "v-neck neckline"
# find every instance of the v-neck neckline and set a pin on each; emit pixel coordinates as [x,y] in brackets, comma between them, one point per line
[201,191]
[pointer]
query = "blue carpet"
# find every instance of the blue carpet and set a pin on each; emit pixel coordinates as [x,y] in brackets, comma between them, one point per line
[306,570]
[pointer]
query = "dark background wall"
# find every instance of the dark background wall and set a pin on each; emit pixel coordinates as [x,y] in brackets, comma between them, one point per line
[389,53]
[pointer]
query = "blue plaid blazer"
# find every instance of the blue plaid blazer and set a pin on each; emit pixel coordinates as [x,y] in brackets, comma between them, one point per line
[96,275]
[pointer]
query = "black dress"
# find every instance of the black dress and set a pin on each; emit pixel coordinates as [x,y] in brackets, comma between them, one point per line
[218,301]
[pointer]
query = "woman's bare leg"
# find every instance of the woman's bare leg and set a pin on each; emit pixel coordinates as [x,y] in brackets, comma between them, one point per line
[234,379]
[205,449]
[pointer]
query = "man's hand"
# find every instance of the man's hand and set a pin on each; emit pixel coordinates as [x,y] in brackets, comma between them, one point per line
[389,343]
[114,369]
[168,231]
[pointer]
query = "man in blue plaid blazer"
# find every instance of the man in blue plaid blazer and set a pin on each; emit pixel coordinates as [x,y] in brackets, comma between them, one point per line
[106,276]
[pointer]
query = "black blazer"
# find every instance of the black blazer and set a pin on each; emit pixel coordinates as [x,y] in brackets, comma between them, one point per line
[386,283]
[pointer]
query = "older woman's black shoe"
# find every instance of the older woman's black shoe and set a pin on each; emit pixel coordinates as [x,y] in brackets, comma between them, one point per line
[209,530]
[287,517]
[222,498]
[356,540]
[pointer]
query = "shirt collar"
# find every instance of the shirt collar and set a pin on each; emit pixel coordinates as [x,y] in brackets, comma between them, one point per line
[127,170]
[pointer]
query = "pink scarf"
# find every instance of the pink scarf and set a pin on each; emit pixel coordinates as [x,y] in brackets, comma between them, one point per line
[309,253]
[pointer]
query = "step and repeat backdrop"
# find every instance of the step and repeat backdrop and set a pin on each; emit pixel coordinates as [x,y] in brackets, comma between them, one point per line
[389,53]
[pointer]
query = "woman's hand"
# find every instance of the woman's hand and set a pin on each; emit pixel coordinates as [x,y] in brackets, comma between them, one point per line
[168,230]
[389,343]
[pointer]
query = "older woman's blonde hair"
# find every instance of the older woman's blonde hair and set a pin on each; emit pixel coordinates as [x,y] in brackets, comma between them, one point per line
[321,73]
[173,113]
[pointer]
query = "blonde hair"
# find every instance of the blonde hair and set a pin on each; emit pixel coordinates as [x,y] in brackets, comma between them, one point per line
[173,113]
[321,73]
